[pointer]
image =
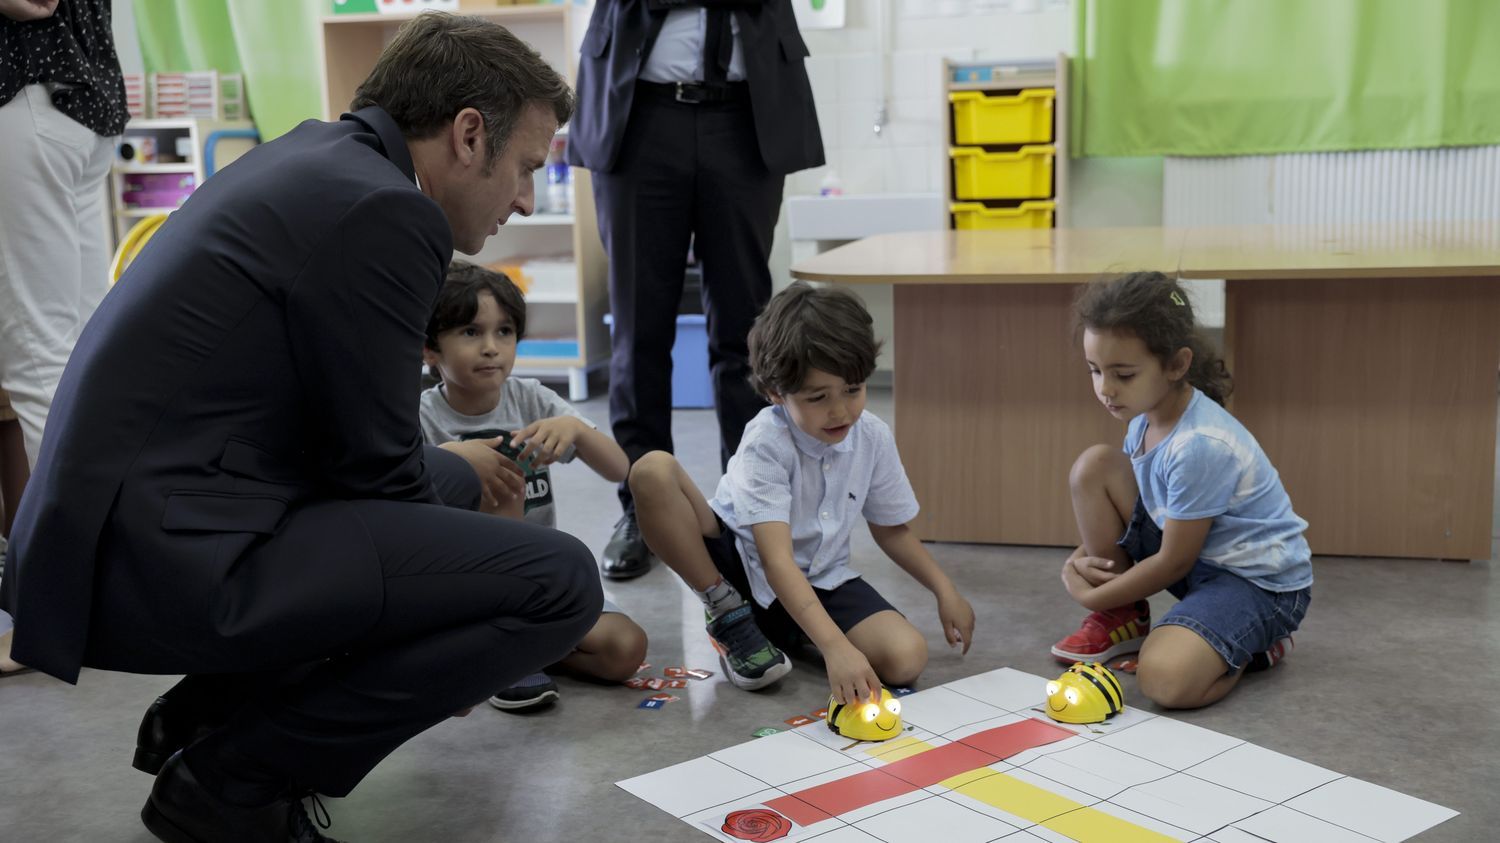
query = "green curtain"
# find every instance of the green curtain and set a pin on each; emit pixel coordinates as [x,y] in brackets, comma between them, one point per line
[274,43]
[1239,77]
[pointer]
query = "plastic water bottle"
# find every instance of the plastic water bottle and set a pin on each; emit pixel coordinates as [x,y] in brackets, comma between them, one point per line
[559,187]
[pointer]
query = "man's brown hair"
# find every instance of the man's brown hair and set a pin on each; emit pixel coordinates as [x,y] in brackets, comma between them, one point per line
[439,64]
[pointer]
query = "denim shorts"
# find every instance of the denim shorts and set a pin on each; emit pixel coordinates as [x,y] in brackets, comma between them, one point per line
[846,604]
[1235,616]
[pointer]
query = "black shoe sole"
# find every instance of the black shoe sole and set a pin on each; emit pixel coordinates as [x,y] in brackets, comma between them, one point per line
[625,574]
[157,823]
[149,762]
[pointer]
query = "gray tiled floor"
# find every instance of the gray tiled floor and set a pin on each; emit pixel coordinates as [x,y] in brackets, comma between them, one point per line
[1393,681]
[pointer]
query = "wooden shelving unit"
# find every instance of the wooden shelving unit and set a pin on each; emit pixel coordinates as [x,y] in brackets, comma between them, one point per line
[567,334]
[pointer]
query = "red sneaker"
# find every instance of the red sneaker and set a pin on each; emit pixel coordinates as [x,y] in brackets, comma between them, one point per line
[1105,635]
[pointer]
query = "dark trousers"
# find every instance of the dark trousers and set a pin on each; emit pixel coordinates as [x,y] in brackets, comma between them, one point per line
[684,171]
[470,603]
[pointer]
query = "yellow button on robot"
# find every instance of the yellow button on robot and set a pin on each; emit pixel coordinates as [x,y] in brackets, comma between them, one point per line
[1085,693]
[865,720]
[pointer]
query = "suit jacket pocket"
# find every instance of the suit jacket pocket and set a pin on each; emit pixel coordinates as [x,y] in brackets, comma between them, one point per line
[214,512]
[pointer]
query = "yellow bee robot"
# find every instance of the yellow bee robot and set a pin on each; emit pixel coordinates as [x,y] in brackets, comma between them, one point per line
[864,720]
[1085,693]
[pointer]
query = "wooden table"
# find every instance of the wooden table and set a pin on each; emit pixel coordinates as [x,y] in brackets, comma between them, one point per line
[1364,361]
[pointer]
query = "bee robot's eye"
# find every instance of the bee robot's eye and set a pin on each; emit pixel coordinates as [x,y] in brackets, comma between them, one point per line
[892,706]
[871,711]
[1072,695]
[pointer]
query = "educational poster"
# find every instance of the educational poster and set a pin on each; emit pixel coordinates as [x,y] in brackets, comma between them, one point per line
[980,761]
[819,14]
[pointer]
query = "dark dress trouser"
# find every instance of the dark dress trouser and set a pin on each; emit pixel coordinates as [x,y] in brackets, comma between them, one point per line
[472,603]
[684,169]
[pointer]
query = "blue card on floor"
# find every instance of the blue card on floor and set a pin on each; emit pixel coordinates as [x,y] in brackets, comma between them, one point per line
[650,703]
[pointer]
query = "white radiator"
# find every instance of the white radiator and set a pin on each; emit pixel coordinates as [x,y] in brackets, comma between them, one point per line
[1451,183]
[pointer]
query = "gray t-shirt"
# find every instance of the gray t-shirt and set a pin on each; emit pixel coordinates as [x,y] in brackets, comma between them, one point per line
[522,401]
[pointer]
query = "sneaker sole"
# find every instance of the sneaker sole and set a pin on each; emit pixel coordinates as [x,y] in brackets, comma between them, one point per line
[772,674]
[546,698]
[1120,649]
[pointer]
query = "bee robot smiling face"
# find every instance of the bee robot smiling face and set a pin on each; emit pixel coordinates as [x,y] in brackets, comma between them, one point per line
[1085,693]
[865,720]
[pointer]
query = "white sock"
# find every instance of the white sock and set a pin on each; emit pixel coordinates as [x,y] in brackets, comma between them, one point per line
[720,598]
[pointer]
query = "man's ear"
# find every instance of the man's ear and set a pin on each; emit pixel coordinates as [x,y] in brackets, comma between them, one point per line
[468,137]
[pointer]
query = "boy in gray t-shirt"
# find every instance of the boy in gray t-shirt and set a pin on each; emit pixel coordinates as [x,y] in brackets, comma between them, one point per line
[479,409]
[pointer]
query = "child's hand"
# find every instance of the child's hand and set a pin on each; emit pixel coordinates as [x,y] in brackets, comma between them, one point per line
[850,676]
[1095,570]
[1078,587]
[547,440]
[500,480]
[957,617]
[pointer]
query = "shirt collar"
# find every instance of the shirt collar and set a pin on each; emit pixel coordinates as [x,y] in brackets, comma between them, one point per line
[809,444]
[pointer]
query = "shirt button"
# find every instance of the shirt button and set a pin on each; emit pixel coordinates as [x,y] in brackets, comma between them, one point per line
[827,466]
[825,515]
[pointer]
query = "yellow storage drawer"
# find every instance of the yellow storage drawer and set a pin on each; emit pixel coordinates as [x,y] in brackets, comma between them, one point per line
[1021,118]
[1026,174]
[972,215]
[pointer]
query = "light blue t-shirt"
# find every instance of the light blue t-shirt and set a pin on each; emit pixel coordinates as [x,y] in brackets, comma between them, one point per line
[1209,466]
[780,473]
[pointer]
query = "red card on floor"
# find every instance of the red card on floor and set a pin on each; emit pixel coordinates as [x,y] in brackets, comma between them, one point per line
[799,720]
[635,682]
[676,683]
[656,684]
[674,672]
[819,714]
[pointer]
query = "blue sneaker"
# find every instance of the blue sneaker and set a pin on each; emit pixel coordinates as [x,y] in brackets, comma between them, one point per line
[534,691]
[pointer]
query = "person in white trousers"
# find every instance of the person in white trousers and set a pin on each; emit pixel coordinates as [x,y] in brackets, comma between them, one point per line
[59,113]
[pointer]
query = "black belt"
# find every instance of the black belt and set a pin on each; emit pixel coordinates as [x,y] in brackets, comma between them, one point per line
[695,93]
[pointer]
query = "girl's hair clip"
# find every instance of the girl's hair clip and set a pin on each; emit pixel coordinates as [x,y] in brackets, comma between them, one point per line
[1177,299]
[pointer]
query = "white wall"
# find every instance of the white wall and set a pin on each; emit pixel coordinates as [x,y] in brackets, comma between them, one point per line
[909,154]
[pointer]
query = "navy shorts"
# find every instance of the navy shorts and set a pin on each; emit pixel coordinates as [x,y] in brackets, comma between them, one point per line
[847,604]
[1235,616]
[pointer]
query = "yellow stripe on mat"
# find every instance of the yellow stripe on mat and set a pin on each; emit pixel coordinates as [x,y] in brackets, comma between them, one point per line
[1058,813]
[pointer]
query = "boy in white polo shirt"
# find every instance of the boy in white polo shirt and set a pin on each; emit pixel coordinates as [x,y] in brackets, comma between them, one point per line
[808,468]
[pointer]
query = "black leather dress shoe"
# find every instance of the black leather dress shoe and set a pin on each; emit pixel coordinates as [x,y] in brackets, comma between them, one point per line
[626,556]
[166,728]
[181,810]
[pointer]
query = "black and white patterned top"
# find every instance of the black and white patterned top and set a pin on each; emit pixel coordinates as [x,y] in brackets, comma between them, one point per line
[73,47]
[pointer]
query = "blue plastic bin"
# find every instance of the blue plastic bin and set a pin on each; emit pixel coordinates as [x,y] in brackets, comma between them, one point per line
[692,383]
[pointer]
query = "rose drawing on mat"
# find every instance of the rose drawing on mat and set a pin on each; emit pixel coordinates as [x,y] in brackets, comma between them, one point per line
[757,824]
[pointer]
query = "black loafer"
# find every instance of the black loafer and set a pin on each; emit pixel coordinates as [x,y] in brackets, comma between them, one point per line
[165,729]
[182,810]
[626,556]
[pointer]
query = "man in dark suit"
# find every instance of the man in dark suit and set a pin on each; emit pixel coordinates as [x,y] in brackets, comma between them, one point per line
[233,483]
[691,114]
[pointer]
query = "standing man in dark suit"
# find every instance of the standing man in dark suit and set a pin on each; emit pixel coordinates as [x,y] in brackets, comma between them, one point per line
[690,116]
[233,483]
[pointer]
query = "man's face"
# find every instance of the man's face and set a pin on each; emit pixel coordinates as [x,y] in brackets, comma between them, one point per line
[478,198]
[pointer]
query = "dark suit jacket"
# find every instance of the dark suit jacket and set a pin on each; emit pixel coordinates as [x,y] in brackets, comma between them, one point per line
[619,38]
[260,354]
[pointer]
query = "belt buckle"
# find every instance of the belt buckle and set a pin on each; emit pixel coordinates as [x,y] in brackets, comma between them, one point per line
[689,93]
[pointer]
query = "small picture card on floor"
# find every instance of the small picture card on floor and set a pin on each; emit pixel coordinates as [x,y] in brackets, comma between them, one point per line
[651,703]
